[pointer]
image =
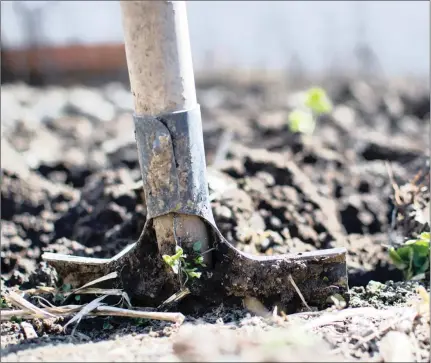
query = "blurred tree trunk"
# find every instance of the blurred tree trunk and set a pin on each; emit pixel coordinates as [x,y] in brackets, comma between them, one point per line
[6,73]
[31,18]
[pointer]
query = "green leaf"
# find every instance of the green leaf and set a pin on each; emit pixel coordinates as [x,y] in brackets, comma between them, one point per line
[423,268]
[410,241]
[197,246]
[422,248]
[408,275]
[179,253]
[301,121]
[425,236]
[396,259]
[141,321]
[405,252]
[168,259]
[172,261]
[418,260]
[58,298]
[413,257]
[194,274]
[318,101]
[107,325]
[199,261]
[16,319]
[67,287]
[3,303]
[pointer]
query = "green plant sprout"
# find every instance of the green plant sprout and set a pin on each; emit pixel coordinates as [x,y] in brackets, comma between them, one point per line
[413,257]
[60,295]
[141,322]
[178,262]
[302,121]
[16,319]
[107,325]
[316,103]
[3,303]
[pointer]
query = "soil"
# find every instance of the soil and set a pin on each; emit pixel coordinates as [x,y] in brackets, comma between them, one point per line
[70,184]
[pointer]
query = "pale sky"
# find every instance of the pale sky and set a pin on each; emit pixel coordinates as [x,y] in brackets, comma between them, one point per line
[259,33]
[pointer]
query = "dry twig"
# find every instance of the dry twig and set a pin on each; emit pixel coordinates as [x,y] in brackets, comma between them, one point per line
[18,301]
[110,276]
[113,311]
[86,309]
[298,291]
[68,310]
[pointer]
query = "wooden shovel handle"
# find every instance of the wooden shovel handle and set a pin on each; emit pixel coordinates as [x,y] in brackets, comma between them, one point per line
[158,56]
[161,76]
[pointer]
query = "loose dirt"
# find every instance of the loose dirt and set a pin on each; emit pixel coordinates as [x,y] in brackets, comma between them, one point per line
[70,184]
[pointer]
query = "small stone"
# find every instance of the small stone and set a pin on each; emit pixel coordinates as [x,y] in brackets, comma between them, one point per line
[275,222]
[374,286]
[153,334]
[267,178]
[286,233]
[344,116]
[29,331]
[223,212]
[220,321]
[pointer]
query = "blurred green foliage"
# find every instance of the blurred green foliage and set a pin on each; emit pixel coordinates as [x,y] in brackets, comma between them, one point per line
[413,257]
[316,103]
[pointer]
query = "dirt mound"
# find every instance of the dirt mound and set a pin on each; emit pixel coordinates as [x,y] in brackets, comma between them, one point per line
[70,180]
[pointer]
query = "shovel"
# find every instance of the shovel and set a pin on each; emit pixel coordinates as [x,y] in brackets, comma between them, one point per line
[180,250]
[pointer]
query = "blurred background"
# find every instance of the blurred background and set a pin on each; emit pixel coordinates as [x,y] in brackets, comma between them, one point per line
[64,41]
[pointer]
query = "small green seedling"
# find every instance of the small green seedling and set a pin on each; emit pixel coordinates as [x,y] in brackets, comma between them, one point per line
[16,319]
[3,303]
[174,261]
[178,262]
[191,272]
[66,287]
[199,261]
[60,296]
[107,325]
[413,257]
[141,322]
[316,103]
[197,246]
[302,121]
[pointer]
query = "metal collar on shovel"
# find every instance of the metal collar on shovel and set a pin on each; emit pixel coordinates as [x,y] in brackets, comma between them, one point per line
[171,154]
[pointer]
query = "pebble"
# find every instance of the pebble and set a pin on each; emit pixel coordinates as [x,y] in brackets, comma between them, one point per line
[29,331]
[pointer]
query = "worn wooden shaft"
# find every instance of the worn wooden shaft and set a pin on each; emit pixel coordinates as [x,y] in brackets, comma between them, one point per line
[158,56]
[161,76]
